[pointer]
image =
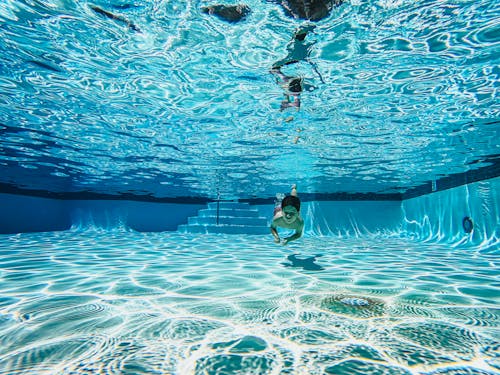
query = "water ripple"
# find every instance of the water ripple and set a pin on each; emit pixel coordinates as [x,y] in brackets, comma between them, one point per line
[480,316]
[147,303]
[389,67]
[343,304]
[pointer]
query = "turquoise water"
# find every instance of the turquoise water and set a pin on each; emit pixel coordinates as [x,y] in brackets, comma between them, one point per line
[119,302]
[402,92]
[158,100]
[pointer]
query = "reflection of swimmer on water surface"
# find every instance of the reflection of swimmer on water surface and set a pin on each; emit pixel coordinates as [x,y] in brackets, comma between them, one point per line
[298,50]
[292,87]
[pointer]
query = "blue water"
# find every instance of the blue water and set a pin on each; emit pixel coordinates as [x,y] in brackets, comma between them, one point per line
[101,302]
[402,93]
[164,101]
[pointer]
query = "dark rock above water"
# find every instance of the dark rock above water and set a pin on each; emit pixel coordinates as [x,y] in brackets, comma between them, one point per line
[228,13]
[313,10]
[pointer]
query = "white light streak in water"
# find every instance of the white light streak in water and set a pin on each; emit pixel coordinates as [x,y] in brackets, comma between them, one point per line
[89,301]
[391,87]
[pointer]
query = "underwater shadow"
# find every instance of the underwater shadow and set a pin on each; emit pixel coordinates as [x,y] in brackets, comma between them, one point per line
[307,263]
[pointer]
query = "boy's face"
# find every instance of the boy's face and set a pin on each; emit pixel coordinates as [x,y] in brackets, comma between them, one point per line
[290,214]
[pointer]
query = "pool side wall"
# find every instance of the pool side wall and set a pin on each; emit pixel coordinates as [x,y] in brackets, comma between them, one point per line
[138,216]
[346,218]
[439,216]
[20,213]
[436,216]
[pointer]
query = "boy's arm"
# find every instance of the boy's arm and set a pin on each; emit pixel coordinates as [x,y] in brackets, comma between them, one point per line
[296,235]
[275,233]
[293,237]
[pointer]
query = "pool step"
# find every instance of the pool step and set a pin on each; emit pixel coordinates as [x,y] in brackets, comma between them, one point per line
[232,218]
[228,220]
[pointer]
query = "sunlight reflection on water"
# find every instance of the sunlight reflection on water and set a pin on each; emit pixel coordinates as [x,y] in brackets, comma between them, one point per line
[92,302]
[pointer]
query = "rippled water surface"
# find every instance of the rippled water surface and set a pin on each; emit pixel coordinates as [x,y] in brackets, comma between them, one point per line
[84,302]
[399,92]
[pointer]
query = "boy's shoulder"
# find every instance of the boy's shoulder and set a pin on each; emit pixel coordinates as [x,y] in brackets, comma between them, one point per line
[278,218]
[300,220]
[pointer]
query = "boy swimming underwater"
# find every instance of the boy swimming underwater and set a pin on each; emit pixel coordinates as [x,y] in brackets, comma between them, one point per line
[288,216]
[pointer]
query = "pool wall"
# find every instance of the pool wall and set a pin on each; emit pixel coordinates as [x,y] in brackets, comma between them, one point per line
[139,216]
[21,213]
[338,218]
[437,216]
[440,216]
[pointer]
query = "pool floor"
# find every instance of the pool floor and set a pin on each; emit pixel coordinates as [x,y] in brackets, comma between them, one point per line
[91,302]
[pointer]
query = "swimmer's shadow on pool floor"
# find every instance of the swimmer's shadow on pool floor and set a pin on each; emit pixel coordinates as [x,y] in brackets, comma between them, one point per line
[307,263]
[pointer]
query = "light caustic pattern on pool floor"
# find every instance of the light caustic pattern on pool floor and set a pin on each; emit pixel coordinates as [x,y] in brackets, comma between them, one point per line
[132,303]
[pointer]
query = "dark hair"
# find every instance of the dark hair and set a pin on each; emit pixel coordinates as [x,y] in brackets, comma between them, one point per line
[295,85]
[291,200]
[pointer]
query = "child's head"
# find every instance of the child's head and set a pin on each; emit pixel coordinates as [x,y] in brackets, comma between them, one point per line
[290,207]
[291,200]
